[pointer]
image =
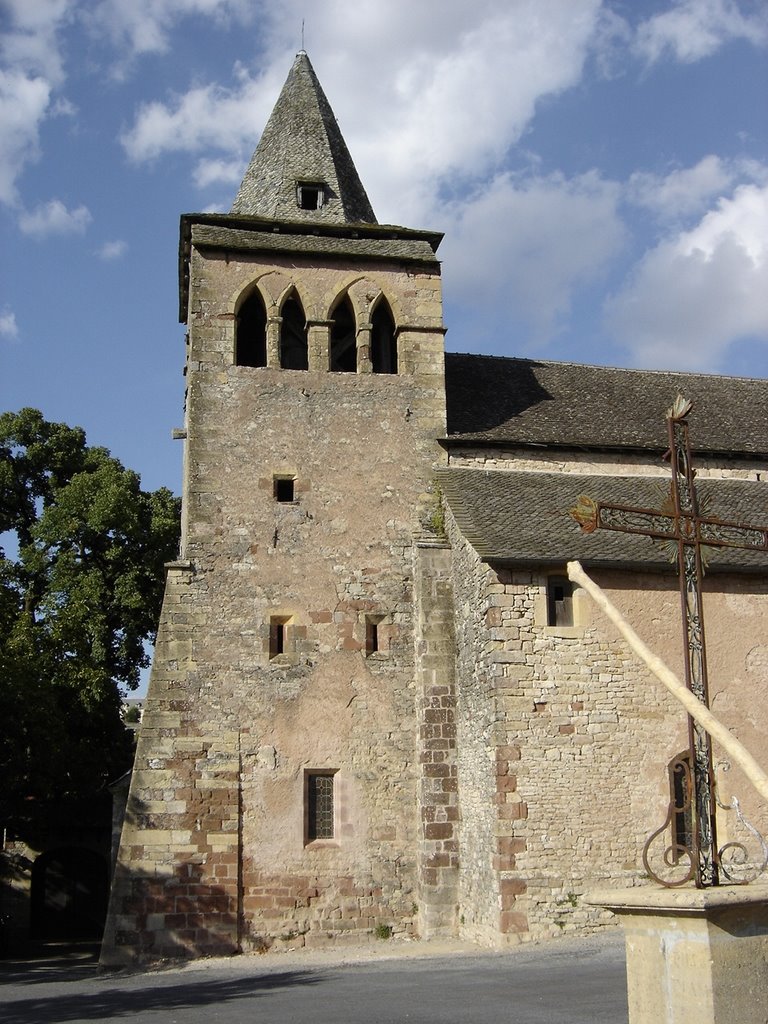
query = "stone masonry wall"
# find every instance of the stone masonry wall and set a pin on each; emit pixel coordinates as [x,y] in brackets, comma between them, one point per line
[215,851]
[436,697]
[575,737]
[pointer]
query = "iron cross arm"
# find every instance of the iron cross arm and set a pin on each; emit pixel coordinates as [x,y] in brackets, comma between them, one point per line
[658,524]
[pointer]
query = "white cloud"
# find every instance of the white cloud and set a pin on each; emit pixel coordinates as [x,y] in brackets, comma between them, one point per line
[112,250]
[8,325]
[693,29]
[681,192]
[31,44]
[144,26]
[523,247]
[23,103]
[218,172]
[32,69]
[53,218]
[439,104]
[205,117]
[695,294]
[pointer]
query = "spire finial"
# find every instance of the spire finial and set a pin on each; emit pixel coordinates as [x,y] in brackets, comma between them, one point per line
[302,37]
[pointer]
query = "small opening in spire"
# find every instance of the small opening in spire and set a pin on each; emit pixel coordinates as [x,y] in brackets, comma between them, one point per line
[310,195]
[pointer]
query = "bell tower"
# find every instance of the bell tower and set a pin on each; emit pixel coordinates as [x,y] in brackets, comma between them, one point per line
[280,787]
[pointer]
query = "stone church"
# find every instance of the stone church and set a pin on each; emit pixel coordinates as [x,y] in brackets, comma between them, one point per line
[378,706]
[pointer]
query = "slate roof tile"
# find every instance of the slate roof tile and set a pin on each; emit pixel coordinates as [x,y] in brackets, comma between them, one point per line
[497,400]
[520,518]
[302,142]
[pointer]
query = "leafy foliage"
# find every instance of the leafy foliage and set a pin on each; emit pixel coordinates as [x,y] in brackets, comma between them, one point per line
[81,584]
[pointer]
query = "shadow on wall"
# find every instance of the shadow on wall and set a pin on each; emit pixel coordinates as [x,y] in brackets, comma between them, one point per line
[178,910]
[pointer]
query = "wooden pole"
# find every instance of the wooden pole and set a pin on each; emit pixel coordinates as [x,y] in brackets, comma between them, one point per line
[695,708]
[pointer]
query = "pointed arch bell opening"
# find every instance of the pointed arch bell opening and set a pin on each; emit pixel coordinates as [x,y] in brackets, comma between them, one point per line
[251,332]
[343,355]
[294,354]
[383,339]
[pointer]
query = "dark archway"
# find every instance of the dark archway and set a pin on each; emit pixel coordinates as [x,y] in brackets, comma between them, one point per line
[383,339]
[343,340]
[293,336]
[251,336]
[70,892]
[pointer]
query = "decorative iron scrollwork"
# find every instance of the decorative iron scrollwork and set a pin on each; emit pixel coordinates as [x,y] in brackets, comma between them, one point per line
[673,863]
[734,857]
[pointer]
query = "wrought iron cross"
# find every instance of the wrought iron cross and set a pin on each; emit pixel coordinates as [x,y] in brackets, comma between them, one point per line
[681,523]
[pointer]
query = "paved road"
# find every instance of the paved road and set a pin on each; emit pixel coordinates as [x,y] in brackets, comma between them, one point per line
[569,981]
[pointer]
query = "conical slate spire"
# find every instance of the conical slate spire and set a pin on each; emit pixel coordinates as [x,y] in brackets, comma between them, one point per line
[302,168]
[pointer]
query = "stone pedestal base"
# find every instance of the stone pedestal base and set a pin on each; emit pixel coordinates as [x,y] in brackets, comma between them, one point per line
[694,956]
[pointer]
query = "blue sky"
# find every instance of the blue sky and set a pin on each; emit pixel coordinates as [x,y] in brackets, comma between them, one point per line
[600,171]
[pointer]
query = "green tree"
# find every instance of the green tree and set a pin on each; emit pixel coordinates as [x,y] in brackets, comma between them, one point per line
[81,584]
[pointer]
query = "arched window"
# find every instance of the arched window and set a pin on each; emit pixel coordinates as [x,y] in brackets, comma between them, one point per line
[383,341]
[293,336]
[343,341]
[251,332]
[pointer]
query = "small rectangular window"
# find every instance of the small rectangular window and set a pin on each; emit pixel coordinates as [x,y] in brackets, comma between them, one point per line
[278,635]
[310,195]
[319,806]
[559,601]
[284,489]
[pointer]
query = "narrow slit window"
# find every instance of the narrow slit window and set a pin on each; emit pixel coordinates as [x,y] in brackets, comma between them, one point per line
[372,638]
[278,635]
[320,806]
[559,601]
[284,489]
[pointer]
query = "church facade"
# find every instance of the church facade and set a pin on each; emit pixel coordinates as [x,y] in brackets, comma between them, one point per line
[377,706]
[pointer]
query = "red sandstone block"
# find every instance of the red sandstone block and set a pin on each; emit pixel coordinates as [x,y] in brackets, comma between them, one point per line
[256,902]
[508,753]
[511,921]
[438,830]
[438,860]
[566,729]
[323,616]
[506,784]
[175,920]
[503,863]
[513,812]
[512,886]
[436,770]
[433,715]
[510,844]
